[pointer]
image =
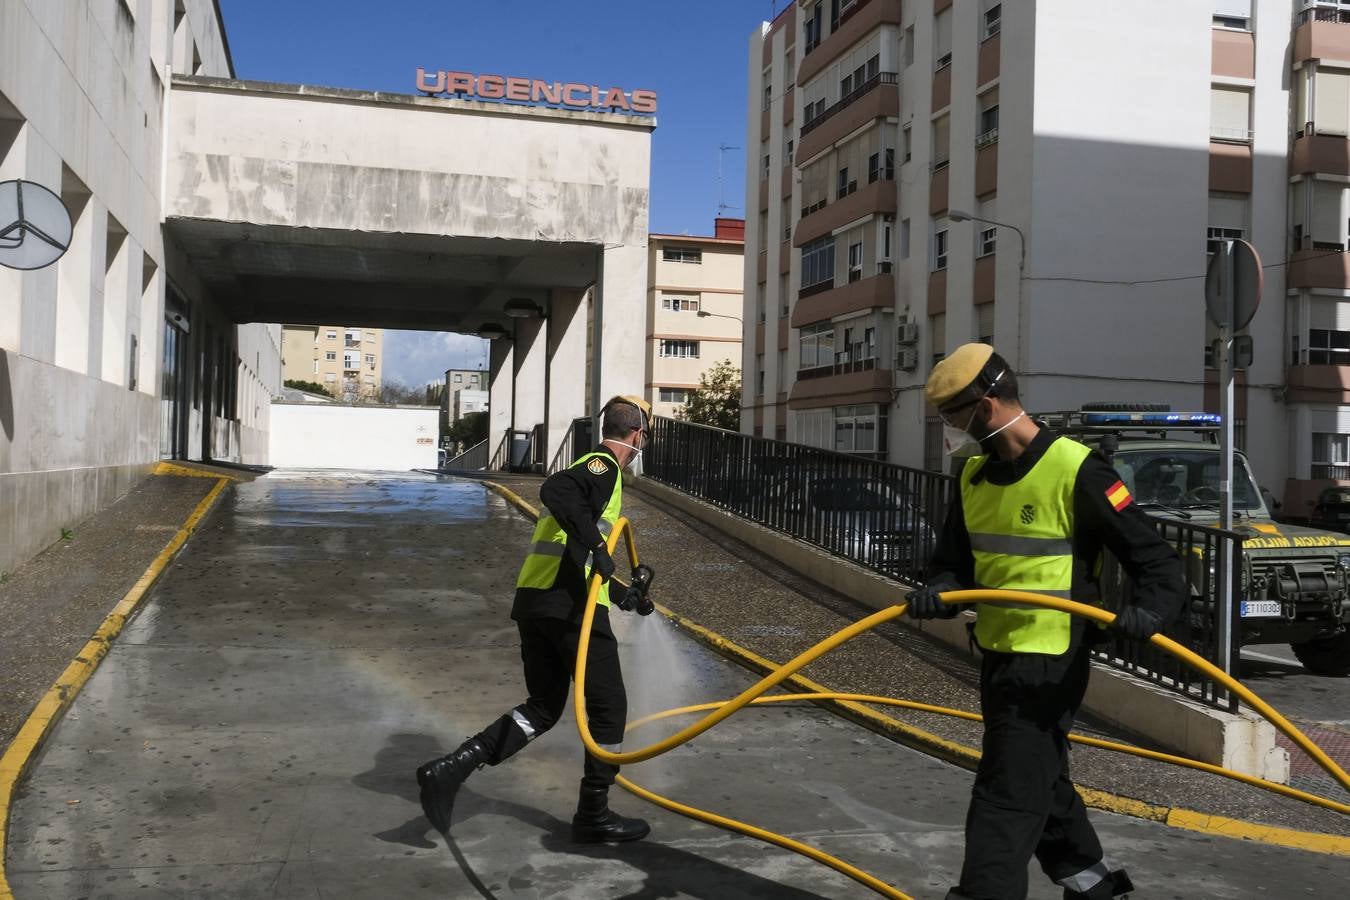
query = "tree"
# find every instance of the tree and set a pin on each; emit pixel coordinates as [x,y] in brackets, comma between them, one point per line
[312,387]
[397,392]
[717,401]
[469,429]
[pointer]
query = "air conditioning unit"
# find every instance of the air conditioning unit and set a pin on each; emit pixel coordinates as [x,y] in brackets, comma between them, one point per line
[907,359]
[907,333]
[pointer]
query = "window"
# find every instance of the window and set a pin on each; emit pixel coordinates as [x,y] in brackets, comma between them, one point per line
[1214,237]
[1230,114]
[811,29]
[904,238]
[370,358]
[817,346]
[942,39]
[986,130]
[881,166]
[673,395]
[459,379]
[332,335]
[316,364]
[1331,105]
[330,355]
[369,379]
[680,304]
[862,429]
[845,186]
[761,292]
[785,302]
[940,250]
[787,151]
[680,349]
[942,134]
[1233,14]
[855,262]
[988,241]
[1330,455]
[818,262]
[759,375]
[906,144]
[887,227]
[768,91]
[351,361]
[1328,348]
[785,217]
[909,46]
[937,332]
[984,323]
[764,172]
[682,255]
[330,377]
[993,20]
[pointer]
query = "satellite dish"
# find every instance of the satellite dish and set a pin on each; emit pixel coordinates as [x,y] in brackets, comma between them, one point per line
[34,225]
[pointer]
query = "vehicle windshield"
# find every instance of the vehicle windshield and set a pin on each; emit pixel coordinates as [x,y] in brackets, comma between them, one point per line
[1184,479]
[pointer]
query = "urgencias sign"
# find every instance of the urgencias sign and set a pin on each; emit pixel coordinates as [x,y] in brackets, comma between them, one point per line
[532,90]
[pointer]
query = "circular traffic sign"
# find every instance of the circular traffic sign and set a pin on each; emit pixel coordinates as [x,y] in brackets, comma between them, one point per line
[34,225]
[1233,291]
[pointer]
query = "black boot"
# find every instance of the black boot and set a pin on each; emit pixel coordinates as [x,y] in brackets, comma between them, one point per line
[596,823]
[1115,884]
[440,780]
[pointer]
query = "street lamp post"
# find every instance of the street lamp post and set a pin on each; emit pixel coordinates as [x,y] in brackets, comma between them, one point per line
[960,215]
[703,314]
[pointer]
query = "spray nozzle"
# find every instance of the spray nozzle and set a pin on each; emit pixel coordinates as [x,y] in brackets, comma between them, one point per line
[634,599]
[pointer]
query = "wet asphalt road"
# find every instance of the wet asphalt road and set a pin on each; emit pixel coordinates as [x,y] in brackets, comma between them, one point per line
[254,731]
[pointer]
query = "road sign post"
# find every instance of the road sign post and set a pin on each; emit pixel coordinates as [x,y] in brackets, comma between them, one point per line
[1232,293]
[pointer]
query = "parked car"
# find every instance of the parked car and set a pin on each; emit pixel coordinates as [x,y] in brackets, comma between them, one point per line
[1332,510]
[863,518]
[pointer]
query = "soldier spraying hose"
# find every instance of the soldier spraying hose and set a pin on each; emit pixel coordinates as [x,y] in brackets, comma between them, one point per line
[582,504]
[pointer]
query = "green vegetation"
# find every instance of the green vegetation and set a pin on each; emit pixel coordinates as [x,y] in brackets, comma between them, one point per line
[717,401]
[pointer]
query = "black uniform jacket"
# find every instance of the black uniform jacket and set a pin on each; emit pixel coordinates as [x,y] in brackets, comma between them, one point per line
[1128,533]
[576,497]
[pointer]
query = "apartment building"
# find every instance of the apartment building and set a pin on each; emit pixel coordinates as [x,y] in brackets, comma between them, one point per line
[346,360]
[1048,178]
[694,311]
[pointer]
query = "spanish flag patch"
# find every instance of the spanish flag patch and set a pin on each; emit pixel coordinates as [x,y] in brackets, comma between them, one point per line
[1118,495]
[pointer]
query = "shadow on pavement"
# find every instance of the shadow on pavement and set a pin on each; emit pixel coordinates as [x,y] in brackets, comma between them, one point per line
[669,872]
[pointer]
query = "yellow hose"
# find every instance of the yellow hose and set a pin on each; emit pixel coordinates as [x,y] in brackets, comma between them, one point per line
[720,710]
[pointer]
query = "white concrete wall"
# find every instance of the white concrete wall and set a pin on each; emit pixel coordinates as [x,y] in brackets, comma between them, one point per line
[333,436]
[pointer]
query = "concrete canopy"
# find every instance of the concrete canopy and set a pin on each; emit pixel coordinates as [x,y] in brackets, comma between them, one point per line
[296,203]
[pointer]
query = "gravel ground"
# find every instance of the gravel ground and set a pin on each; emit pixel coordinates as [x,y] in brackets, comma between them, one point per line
[52,604]
[732,589]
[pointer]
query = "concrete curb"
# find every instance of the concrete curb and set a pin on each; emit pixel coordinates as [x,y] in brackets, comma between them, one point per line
[40,722]
[1243,741]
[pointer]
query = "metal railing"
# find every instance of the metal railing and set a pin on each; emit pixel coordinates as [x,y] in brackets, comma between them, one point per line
[886,517]
[472,460]
[849,99]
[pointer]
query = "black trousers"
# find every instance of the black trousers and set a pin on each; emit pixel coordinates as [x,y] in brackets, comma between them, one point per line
[548,649]
[1023,803]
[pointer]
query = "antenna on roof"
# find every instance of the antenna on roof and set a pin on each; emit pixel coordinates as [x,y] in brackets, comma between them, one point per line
[722,204]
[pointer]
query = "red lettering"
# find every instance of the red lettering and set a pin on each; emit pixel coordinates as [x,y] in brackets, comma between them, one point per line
[518,89]
[595,95]
[430,87]
[644,101]
[615,99]
[459,82]
[544,92]
[491,87]
[569,95]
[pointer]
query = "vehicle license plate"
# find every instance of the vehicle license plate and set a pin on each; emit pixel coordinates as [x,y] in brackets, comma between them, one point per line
[1256,609]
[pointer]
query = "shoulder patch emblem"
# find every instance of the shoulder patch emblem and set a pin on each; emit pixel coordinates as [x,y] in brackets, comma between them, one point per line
[597,466]
[1118,495]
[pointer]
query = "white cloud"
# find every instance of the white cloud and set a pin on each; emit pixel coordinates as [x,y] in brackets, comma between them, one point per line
[418,357]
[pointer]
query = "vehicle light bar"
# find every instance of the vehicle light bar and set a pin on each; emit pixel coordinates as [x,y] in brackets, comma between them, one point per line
[1153,418]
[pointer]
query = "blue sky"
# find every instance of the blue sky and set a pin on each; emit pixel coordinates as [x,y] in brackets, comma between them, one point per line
[692,53]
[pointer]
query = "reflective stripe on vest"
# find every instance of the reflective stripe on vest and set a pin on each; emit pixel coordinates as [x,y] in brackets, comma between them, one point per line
[1022,538]
[548,545]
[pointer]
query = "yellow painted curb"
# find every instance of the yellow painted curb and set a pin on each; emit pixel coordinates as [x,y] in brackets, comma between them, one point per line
[168,468]
[967,757]
[19,755]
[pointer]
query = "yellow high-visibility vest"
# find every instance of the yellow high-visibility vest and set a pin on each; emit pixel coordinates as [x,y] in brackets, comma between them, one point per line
[549,542]
[1021,535]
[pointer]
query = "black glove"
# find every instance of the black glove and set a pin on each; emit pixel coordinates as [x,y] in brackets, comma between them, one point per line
[1137,623]
[924,602]
[601,562]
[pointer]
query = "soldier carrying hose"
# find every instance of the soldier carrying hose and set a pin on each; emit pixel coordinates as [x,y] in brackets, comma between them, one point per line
[1034,512]
[582,505]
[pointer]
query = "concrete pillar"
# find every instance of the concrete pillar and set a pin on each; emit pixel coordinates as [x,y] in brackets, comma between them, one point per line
[530,356]
[501,387]
[566,368]
[620,324]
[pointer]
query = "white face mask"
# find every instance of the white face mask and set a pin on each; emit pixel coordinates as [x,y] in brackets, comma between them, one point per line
[955,440]
[634,464]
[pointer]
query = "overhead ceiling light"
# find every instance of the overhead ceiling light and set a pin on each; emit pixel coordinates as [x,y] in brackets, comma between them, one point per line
[521,308]
[490,331]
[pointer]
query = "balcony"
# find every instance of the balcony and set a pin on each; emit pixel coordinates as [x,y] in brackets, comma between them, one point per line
[1233,54]
[1322,34]
[1328,154]
[878,197]
[824,301]
[1320,268]
[1318,384]
[841,389]
[1230,166]
[986,167]
[849,99]
[855,23]
[991,52]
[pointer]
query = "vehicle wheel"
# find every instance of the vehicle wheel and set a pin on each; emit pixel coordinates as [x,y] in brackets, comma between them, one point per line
[1126,407]
[1325,656]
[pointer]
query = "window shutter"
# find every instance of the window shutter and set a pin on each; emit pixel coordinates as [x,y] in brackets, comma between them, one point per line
[1229,115]
[1328,218]
[942,34]
[1237,9]
[1332,92]
[1227,211]
[984,321]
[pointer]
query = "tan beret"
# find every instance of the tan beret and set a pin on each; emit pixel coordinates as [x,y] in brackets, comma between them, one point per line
[632,400]
[956,372]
